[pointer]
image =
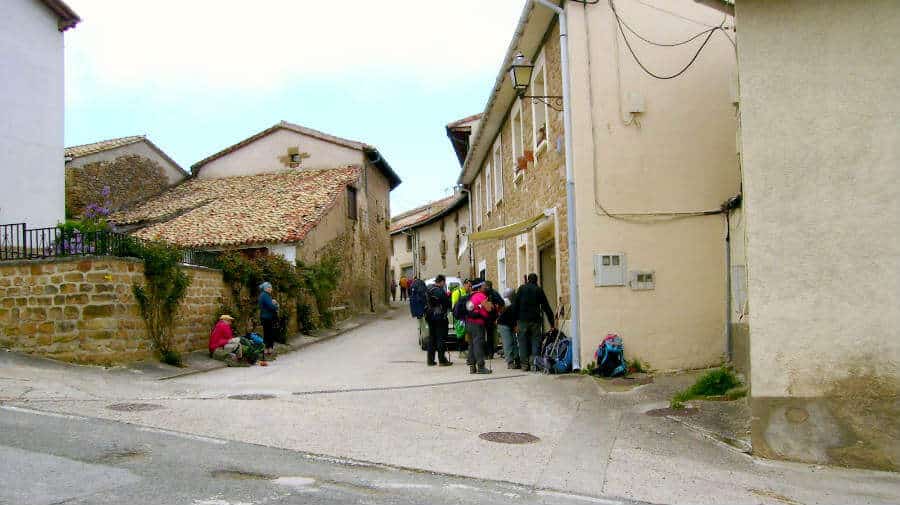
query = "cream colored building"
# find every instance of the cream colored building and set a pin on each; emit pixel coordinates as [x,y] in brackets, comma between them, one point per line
[653,161]
[820,130]
[425,241]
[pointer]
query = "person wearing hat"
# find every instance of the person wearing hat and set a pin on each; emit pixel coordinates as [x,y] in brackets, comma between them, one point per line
[223,345]
[268,314]
[480,311]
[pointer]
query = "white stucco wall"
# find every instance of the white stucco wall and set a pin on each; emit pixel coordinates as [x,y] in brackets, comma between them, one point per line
[173,173]
[262,156]
[681,157]
[32,105]
[821,150]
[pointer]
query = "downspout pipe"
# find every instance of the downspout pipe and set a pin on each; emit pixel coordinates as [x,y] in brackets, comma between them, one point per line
[574,314]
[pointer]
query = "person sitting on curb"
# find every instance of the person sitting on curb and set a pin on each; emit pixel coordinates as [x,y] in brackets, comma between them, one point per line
[223,345]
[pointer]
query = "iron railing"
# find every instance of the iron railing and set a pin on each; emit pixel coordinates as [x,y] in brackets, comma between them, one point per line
[18,242]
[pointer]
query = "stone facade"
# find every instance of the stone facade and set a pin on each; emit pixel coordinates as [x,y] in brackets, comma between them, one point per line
[439,238]
[131,178]
[538,187]
[83,310]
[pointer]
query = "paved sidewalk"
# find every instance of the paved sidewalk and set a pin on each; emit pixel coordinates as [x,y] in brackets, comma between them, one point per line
[369,396]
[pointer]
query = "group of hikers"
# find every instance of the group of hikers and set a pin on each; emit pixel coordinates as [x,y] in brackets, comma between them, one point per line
[479,313]
[405,283]
[251,348]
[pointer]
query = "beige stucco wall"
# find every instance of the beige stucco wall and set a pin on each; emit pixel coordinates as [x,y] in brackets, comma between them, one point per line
[262,156]
[173,173]
[401,257]
[821,130]
[681,157]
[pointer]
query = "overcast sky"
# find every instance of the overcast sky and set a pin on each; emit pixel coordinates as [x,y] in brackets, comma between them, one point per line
[199,75]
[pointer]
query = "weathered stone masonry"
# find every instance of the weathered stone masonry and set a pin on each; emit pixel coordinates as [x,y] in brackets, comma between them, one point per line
[83,310]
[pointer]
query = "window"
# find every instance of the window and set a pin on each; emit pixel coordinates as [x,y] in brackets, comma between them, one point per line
[482,269]
[476,200]
[351,203]
[539,110]
[488,188]
[643,280]
[521,258]
[609,269]
[498,171]
[422,255]
[518,137]
[409,243]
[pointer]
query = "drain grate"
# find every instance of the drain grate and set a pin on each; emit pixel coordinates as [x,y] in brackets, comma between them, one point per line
[685,412]
[134,407]
[509,437]
[256,396]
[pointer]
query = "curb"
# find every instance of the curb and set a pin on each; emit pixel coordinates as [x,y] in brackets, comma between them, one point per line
[292,349]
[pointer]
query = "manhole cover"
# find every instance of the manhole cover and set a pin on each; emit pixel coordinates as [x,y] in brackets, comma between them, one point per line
[134,407]
[509,437]
[689,411]
[251,397]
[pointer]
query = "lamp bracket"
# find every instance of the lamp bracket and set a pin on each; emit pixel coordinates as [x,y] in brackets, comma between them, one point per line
[554,102]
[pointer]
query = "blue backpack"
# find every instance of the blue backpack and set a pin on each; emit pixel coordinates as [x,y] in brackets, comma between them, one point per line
[610,357]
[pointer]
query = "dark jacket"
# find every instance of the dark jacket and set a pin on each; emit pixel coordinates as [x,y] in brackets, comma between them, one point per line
[438,303]
[530,300]
[267,308]
[509,317]
[496,298]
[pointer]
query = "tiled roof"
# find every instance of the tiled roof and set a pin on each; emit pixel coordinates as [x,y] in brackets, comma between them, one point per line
[103,145]
[464,121]
[352,144]
[424,213]
[67,17]
[240,211]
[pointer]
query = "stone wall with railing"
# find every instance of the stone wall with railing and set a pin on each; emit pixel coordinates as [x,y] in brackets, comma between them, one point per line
[81,309]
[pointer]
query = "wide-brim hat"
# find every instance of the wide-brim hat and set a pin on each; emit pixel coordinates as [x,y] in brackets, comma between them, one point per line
[225,317]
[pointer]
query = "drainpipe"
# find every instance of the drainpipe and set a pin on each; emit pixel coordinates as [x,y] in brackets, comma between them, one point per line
[575,330]
[471,230]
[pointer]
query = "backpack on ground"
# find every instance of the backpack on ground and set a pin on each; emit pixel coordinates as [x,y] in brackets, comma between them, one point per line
[610,357]
[555,353]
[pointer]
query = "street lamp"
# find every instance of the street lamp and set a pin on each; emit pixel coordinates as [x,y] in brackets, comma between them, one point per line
[520,71]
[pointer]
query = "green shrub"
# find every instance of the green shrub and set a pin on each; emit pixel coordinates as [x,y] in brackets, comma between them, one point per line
[717,382]
[635,365]
[165,286]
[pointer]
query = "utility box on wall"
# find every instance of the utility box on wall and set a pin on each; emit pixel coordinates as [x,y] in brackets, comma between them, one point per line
[642,280]
[609,269]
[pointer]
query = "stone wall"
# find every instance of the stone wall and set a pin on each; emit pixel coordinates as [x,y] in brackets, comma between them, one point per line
[83,310]
[131,178]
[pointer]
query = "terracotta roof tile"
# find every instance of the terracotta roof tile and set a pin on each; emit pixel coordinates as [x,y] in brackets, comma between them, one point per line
[239,211]
[423,213]
[103,145]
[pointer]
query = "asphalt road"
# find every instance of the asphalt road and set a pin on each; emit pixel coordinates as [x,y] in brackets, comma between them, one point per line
[50,459]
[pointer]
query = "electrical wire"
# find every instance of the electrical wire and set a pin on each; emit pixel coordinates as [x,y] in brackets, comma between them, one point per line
[641,64]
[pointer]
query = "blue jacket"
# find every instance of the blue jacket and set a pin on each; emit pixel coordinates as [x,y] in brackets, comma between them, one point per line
[267,308]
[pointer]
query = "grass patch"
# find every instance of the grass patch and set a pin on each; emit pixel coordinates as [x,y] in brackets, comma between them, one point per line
[637,366]
[171,357]
[719,382]
[589,368]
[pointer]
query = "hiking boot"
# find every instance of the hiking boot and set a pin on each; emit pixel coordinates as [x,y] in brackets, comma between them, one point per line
[431,363]
[472,369]
[511,365]
[483,371]
[446,363]
[526,367]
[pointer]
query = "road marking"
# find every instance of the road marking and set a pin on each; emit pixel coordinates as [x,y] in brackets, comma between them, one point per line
[588,499]
[188,436]
[41,413]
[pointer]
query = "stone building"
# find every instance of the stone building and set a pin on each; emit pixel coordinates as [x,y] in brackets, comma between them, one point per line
[133,168]
[819,159]
[653,161]
[291,191]
[425,241]
[33,105]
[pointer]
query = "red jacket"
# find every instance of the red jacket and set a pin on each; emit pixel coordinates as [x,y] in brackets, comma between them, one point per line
[220,335]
